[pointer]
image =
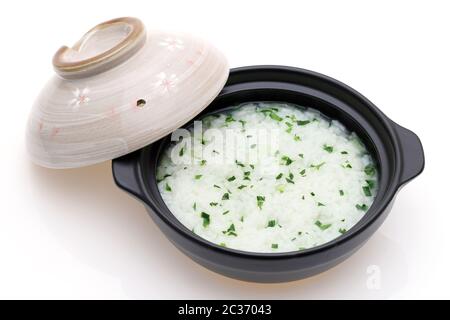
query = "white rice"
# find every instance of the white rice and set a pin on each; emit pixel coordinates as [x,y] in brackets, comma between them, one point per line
[309,183]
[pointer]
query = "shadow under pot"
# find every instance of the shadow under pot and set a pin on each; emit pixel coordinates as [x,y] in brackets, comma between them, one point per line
[397,152]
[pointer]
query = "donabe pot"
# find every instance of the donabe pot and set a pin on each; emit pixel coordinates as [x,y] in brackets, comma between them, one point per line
[397,151]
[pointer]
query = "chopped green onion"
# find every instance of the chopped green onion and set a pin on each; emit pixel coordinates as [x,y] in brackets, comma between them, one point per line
[322,226]
[198,176]
[362,207]
[205,218]
[347,165]
[289,129]
[165,176]
[290,181]
[231,228]
[271,223]
[272,114]
[342,230]
[168,188]
[229,119]
[226,196]
[328,148]
[292,117]
[366,190]
[260,201]
[274,245]
[341,192]
[213,204]
[303,122]
[371,183]
[279,176]
[370,170]
[317,166]
[231,178]
[240,164]
[286,160]
[242,187]
[275,117]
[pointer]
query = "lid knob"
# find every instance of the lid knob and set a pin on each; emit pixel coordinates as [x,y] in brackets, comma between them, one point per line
[101,48]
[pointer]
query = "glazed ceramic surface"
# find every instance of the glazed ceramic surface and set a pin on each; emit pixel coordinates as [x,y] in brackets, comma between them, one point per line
[117,90]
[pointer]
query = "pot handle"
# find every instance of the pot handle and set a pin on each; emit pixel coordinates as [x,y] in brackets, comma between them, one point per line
[126,174]
[412,154]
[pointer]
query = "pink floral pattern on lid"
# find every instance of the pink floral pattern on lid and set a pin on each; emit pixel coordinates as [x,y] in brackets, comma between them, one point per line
[165,82]
[80,98]
[54,131]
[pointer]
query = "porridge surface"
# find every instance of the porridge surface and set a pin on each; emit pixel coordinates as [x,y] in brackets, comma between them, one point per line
[268,177]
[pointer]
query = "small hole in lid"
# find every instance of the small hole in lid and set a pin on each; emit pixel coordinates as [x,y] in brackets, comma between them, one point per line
[141,103]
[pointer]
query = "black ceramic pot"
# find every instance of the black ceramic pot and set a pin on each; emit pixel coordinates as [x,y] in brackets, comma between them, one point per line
[397,151]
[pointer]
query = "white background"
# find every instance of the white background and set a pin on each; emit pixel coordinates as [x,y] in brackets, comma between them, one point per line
[73,234]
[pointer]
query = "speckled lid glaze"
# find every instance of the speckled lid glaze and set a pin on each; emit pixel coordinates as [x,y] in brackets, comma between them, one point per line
[118,89]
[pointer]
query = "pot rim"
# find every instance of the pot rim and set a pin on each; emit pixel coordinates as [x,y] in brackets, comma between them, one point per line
[394,185]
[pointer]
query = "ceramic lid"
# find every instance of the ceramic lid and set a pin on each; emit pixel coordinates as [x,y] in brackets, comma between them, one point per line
[118,89]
